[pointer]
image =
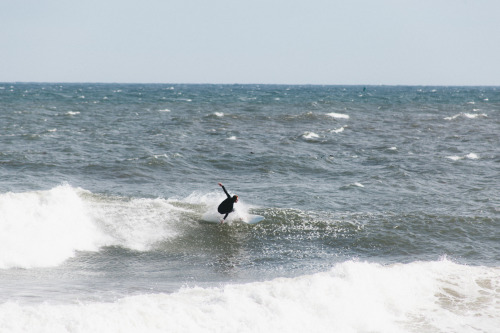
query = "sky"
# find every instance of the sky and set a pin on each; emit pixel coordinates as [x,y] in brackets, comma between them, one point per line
[348,42]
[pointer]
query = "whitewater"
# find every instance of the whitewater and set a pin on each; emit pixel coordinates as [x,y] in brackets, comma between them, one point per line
[381,208]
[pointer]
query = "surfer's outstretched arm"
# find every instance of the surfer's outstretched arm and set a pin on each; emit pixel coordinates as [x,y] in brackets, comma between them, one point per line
[220,184]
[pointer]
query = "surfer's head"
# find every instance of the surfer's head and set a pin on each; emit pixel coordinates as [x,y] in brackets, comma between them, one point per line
[235,198]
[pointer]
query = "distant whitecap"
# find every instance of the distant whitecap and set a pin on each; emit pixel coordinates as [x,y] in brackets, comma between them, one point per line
[219,114]
[310,135]
[470,115]
[338,115]
[467,115]
[452,117]
[338,130]
[472,156]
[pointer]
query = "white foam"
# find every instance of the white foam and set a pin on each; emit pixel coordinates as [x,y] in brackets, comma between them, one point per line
[138,223]
[338,115]
[232,138]
[72,113]
[310,135]
[219,114]
[470,156]
[437,296]
[467,115]
[45,228]
[452,117]
[164,110]
[338,130]
[474,115]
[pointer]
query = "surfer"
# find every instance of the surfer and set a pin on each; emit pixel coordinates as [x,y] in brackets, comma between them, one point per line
[226,206]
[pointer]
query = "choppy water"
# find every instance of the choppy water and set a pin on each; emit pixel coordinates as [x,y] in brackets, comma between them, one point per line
[381,208]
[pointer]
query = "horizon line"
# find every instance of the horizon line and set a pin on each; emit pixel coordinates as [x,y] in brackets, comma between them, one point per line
[249,84]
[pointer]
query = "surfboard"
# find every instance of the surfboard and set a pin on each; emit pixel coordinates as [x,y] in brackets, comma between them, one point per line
[253,219]
[247,218]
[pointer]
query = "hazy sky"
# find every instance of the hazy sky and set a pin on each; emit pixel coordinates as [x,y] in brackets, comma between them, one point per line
[418,42]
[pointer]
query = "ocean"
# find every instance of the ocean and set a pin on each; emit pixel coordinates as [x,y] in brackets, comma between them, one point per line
[381,207]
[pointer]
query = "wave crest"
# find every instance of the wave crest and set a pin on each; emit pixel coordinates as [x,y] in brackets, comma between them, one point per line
[45,228]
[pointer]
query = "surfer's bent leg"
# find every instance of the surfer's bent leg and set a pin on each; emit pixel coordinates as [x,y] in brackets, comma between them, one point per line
[225,216]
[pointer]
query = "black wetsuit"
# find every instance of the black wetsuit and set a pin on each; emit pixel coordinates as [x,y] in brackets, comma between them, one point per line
[226,206]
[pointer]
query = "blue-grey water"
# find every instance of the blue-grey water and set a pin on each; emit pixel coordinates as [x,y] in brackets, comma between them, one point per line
[380,203]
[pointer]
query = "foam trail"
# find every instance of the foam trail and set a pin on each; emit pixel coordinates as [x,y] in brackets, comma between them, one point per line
[438,296]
